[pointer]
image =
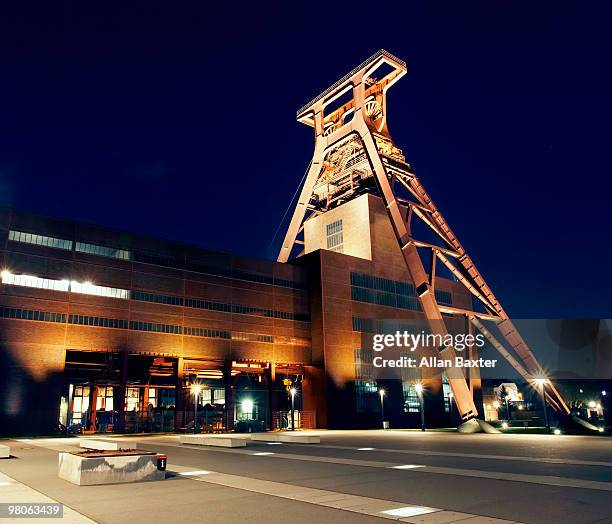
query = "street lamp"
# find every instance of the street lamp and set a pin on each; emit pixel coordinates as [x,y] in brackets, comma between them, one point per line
[196,394]
[381,392]
[541,381]
[293,391]
[450,401]
[419,389]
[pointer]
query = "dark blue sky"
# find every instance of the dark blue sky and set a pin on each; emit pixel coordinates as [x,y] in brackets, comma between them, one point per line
[178,120]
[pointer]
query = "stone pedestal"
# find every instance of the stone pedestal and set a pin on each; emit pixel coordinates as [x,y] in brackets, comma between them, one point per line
[109,469]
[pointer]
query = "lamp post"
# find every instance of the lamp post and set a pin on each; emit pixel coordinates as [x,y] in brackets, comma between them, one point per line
[419,389]
[381,392]
[196,394]
[542,383]
[450,401]
[293,392]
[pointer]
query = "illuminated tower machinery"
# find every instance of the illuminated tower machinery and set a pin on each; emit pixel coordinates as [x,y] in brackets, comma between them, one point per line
[354,154]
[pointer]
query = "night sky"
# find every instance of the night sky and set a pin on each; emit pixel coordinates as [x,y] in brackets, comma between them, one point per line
[177,119]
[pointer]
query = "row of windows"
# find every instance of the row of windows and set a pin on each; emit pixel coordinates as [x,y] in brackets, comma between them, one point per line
[64,285]
[218,306]
[382,284]
[136,325]
[29,314]
[252,337]
[373,325]
[149,258]
[382,298]
[103,251]
[85,320]
[91,289]
[39,240]
[208,333]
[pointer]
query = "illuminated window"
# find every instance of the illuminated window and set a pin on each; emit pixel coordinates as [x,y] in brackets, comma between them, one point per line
[63,285]
[218,396]
[411,398]
[39,240]
[31,281]
[152,398]
[80,405]
[103,251]
[104,398]
[132,399]
[335,239]
[91,289]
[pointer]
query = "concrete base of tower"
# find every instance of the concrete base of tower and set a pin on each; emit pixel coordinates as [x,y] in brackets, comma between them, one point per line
[476,425]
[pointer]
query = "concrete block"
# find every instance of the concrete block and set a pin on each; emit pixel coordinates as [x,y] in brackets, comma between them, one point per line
[265,437]
[205,440]
[5,452]
[115,469]
[300,439]
[103,445]
[290,438]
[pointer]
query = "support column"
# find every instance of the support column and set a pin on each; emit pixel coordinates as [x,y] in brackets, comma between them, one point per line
[119,394]
[179,394]
[272,393]
[475,381]
[229,396]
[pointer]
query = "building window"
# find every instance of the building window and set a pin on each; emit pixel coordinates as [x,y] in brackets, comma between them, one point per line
[363,364]
[411,398]
[383,291]
[103,251]
[104,398]
[335,239]
[132,399]
[366,396]
[39,240]
[219,396]
[80,405]
[446,390]
[444,297]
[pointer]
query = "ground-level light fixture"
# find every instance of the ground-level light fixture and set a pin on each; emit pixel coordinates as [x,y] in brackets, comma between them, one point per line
[504,425]
[557,431]
[419,389]
[195,389]
[381,393]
